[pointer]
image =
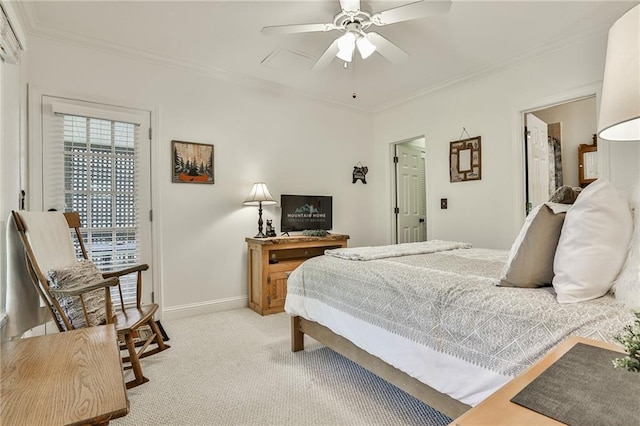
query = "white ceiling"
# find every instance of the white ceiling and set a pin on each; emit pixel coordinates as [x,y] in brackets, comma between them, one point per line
[224,38]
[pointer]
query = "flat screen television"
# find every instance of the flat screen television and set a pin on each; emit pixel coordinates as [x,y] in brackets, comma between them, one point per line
[300,212]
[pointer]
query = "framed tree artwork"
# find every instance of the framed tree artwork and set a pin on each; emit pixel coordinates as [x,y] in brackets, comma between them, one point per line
[192,162]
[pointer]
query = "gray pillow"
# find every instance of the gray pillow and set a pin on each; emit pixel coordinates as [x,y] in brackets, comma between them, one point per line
[82,273]
[565,195]
[530,262]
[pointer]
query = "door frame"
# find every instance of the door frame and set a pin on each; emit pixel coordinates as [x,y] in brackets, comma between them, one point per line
[518,135]
[34,184]
[394,187]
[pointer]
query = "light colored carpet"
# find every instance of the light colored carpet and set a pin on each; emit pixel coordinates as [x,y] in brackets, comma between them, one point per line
[236,368]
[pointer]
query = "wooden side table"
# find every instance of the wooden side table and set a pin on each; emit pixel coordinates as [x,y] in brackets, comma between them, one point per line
[271,260]
[498,409]
[66,378]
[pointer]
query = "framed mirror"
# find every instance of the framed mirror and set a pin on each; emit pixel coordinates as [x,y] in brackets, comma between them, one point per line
[588,163]
[465,160]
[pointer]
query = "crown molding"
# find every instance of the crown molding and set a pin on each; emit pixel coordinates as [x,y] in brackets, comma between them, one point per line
[537,52]
[36,29]
[206,71]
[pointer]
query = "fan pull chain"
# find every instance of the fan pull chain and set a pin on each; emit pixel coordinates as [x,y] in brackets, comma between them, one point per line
[353,77]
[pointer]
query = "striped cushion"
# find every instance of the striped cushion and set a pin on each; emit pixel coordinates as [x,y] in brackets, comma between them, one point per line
[76,276]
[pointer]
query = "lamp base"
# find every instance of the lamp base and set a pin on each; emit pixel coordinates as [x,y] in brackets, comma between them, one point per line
[260,234]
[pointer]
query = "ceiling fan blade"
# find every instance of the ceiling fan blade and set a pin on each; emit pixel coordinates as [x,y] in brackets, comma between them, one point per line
[420,9]
[387,49]
[297,28]
[327,57]
[350,5]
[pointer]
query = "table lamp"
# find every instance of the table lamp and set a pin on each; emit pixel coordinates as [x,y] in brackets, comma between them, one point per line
[258,196]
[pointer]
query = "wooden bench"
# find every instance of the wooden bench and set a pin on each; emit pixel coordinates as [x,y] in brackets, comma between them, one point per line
[66,378]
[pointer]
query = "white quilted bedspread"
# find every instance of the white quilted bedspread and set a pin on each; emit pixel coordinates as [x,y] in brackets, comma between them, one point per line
[448,303]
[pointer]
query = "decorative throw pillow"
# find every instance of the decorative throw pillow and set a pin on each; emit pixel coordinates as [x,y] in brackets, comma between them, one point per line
[77,276]
[627,285]
[593,244]
[530,261]
[565,195]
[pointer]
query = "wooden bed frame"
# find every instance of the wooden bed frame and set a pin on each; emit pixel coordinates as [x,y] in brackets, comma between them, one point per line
[441,402]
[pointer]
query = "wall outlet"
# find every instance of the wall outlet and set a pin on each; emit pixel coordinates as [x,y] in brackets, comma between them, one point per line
[443,203]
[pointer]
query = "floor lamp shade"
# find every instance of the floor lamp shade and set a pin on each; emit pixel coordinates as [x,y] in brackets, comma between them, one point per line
[619,118]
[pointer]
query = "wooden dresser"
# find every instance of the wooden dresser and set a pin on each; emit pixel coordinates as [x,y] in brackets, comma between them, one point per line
[271,260]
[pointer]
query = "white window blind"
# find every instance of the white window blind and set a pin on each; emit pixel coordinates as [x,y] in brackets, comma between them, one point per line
[9,44]
[93,170]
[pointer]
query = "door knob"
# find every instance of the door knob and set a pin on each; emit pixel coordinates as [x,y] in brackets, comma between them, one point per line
[421,220]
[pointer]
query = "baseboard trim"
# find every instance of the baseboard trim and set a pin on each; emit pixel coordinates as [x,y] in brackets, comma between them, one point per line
[208,307]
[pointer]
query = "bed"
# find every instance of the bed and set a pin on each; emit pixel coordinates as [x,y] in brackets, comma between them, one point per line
[431,318]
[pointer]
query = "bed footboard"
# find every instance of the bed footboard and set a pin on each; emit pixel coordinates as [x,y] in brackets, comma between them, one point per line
[441,402]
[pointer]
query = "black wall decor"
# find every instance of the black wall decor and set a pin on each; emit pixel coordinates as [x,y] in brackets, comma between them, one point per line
[359,173]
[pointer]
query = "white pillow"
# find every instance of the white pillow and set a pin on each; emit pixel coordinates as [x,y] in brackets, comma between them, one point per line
[627,286]
[593,244]
[530,262]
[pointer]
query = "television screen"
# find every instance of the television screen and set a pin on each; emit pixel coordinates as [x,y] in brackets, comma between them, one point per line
[300,212]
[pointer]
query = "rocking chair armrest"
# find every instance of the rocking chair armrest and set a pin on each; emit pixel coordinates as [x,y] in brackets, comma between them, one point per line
[126,271]
[75,291]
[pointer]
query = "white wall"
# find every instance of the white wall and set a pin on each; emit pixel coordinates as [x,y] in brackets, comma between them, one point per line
[625,159]
[489,212]
[11,123]
[295,144]
[9,151]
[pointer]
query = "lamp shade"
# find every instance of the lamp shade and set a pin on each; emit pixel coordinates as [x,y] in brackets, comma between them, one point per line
[619,118]
[259,195]
[346,46]
[365,47]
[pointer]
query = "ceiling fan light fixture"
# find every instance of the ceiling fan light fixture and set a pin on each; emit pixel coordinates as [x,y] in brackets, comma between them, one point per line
[345,54]
[353,23]
[346,46]
[365,47]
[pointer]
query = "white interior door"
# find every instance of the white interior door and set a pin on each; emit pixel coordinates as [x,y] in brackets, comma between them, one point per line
[411,194]
[537,161]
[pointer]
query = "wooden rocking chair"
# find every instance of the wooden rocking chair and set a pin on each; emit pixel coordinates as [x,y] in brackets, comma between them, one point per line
[49,246]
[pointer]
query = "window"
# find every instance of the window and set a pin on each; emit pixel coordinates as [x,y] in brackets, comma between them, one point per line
[10,46]
[96,163]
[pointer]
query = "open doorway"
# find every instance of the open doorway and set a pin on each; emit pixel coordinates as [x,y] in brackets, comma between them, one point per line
[410,194]
[553,139]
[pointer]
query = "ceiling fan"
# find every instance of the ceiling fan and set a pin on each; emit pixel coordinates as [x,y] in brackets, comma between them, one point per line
[352,21]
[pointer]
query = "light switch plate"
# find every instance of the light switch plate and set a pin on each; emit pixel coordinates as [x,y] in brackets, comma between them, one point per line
[443,203]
